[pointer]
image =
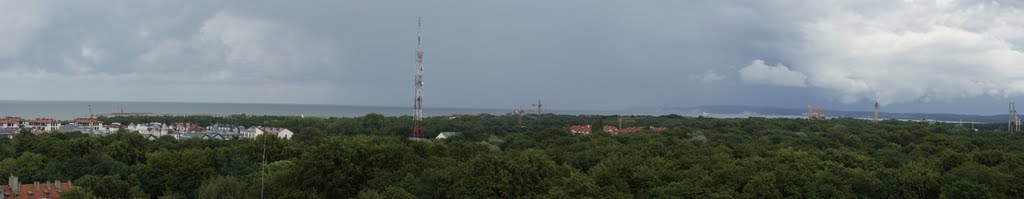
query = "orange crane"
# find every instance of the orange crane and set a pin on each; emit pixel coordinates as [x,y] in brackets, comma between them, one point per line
[519,116]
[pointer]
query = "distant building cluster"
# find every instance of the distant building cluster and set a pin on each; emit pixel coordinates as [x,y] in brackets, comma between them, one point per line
[586,129]
[182,131]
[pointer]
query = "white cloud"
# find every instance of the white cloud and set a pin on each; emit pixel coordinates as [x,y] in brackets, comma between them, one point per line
[760,73]
[907,51]
[707,77]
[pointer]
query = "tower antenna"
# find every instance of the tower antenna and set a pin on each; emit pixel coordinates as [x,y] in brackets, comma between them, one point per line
[417,106]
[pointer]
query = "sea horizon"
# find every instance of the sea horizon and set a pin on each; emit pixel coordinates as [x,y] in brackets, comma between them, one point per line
[67,110]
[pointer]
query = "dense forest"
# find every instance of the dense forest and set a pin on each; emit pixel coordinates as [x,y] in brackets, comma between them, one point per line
[371,157]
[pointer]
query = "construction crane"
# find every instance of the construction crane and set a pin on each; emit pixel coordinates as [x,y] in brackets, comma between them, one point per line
[519,116]
[519,112]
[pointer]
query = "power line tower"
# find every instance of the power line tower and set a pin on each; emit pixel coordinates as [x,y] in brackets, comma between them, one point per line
[417,106]
[539,106]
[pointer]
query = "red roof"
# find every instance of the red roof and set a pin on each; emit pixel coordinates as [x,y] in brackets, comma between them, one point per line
[44,120]
[85,121]
[10,120]
[580,129]
[36,193]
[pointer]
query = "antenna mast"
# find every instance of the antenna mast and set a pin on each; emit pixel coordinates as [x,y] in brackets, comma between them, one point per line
[417,106]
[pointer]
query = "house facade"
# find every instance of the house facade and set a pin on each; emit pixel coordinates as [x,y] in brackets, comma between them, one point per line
[11,122]
[253,132]
[42,124]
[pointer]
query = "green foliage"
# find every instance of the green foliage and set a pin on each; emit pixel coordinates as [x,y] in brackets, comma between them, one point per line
[224,187]
[78,193]
[111,186]
[369,157]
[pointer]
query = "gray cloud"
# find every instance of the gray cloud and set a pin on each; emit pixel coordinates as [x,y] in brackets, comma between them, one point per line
[573,54]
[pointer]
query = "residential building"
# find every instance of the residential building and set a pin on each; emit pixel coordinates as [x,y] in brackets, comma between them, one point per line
[11,122]
[42,124]
[446,135]
[253,132]
[114,127]
[186,127]
[83,129]
[154,129]
[580,129]
[87,122]
[15,190]
[225,128]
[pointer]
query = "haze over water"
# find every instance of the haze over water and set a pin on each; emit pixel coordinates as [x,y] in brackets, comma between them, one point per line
[65,110]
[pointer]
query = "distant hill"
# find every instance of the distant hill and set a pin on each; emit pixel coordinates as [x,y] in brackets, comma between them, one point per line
[797,112]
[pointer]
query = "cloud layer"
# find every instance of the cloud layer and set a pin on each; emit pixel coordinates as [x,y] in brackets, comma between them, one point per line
[905,51]
[597,54]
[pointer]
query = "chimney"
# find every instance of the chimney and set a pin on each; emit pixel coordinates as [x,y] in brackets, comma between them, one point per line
[48,185]
[58,185]
[36,183]
[13,183]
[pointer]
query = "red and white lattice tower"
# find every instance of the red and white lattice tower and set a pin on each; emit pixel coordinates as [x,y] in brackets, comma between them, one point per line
[417,129]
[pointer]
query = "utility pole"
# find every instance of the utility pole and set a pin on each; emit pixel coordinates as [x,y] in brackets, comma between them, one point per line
[539,107]
[540,110]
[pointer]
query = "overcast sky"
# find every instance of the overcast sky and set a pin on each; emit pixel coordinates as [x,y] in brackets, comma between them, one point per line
[911,55]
